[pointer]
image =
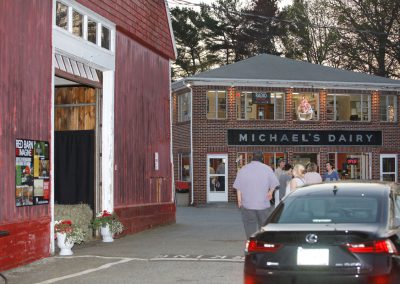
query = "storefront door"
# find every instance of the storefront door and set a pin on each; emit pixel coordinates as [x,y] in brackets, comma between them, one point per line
[388,169]
[217,178]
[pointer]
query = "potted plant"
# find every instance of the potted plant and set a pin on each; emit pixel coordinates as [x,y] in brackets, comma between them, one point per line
[109,225]
[67,235]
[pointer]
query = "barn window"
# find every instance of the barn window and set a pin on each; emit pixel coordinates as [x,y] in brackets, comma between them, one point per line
[62,15]
[83,23]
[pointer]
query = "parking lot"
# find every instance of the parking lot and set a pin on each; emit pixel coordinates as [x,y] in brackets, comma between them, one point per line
[204,246]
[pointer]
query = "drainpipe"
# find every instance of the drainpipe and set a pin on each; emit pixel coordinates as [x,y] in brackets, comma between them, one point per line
[171,152]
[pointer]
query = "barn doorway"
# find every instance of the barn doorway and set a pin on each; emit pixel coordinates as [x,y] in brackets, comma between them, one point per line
[77,134]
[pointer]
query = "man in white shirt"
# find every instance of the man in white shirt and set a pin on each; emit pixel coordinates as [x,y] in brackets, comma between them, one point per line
[255,183]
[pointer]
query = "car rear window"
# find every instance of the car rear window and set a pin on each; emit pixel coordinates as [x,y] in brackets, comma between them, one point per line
[347,209]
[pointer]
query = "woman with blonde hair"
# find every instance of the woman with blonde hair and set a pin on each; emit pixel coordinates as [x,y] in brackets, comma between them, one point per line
[297,180]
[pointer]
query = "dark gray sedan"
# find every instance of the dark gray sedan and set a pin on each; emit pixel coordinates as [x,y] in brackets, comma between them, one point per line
[339,232]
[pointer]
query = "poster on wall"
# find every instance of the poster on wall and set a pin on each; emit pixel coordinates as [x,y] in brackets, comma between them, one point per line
[32,168]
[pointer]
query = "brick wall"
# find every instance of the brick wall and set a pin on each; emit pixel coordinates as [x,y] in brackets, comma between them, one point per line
[209,136]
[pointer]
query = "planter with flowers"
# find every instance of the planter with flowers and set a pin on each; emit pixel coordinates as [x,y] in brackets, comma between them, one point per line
[67,235]
[109,225]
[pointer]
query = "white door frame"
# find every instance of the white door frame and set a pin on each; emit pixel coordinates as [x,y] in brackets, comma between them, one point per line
[217,196]
[93,55]
[383,156]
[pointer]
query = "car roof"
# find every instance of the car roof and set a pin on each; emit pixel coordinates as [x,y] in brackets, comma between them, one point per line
[347,188]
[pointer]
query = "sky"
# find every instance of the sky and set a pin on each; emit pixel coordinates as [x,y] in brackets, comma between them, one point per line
[186,3]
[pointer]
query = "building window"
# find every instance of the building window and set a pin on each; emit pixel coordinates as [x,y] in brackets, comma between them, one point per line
[343,107]
[260,105]
[270,159]
[92,31]
[88,27]
[305,106]
[184,107]
[77,24]
[388,108]
[62,15]
[105,37]
[216,104]
[305,158]
[184,166]
[351,165]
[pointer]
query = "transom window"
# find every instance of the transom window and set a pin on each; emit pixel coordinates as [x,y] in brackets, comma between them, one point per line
[216,104]
[260,105]
[305,106]
[346,107]
[270,159]
[388,108]
[81,25]
[184,107]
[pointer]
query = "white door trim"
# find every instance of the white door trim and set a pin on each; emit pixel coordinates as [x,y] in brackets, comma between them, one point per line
[382,156]
[217,196]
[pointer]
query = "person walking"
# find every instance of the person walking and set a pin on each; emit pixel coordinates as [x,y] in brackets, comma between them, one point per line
[330,174]
[297,180]
[255,183]
[312,176]
[279,169]
[284,179]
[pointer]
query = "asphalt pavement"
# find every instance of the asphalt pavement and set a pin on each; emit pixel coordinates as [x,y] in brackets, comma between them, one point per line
[204,246]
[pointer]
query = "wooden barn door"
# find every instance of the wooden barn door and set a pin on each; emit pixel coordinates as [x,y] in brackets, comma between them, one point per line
[76,150]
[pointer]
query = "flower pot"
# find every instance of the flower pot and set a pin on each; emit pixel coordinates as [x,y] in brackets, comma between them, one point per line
[106,234]
[65,246]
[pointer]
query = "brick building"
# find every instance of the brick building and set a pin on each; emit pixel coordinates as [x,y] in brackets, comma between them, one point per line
[79,81]
[288,109]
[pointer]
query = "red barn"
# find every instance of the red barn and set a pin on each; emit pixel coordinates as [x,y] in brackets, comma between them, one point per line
[84,116]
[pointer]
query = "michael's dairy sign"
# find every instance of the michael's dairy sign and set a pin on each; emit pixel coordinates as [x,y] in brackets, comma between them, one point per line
[304,137]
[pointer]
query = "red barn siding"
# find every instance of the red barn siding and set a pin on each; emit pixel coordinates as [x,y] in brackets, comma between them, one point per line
[141,128]
[25,108]
[145,21]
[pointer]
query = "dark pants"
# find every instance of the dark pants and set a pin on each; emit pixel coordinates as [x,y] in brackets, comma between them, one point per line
[254,219]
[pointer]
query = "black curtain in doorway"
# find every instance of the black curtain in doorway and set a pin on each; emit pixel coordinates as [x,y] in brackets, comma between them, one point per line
[74,165]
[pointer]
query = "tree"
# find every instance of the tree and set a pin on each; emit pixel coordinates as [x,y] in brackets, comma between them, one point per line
[369,35]
[309,35]
[263,29]
[192,56]
[223,31]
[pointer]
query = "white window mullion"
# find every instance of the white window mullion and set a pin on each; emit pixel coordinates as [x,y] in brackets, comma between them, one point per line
[98,38]
[70,13]
[85,27]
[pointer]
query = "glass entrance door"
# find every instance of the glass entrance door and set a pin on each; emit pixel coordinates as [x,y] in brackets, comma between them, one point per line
[388,169]
[217,178]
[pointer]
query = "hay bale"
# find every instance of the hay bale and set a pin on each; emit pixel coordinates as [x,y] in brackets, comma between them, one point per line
[80,215]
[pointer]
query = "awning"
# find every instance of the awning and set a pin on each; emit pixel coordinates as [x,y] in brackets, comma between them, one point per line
[77,71]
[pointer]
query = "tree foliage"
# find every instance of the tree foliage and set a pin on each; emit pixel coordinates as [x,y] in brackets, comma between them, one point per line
[369,35]
[358,35]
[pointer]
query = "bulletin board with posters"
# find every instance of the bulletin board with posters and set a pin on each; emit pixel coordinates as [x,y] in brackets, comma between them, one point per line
[32,172]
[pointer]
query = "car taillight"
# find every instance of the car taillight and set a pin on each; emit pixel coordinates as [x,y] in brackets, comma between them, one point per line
[381,246]
[258,246]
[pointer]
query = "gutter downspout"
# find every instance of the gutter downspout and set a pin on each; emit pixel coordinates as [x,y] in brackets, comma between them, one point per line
[171,152]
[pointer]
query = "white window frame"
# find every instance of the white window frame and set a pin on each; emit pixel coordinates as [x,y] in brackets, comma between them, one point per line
[362,101]
[217,104]
[381,173]
[315,110]
[247,105]
[180,101]
[74,6]
[386,98]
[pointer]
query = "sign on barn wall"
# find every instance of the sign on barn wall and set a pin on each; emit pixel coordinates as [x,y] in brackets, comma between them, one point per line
[32,168]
